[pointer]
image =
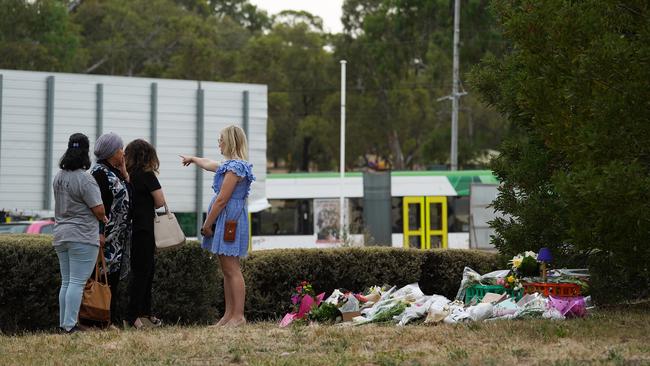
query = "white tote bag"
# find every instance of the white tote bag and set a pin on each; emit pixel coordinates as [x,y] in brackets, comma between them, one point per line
[167,231]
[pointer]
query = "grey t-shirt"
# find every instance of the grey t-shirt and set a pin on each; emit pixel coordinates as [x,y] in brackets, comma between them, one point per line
[75,192]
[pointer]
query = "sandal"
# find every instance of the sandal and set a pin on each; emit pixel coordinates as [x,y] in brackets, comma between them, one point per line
[136,324]
[151,321]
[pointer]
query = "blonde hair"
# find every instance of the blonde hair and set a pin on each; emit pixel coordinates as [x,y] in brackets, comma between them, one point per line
[234,143]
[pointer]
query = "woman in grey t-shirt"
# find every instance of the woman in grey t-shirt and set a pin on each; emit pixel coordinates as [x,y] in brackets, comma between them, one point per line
[77,209]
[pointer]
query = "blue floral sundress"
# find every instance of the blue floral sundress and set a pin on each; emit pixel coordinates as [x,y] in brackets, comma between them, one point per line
[235,209]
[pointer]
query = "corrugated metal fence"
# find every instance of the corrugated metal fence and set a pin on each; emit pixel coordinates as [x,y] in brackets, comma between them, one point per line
[39,111]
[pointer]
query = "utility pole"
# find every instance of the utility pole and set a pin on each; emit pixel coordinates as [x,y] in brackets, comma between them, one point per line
[342,163]
[454,92]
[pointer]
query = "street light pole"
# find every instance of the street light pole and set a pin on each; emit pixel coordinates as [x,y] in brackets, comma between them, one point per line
[342,158]
[454,93]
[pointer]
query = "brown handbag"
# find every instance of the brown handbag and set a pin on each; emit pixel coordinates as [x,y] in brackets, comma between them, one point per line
[96,300]
[230,228]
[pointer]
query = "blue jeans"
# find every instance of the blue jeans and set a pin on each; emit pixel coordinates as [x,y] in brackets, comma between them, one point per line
[77,261]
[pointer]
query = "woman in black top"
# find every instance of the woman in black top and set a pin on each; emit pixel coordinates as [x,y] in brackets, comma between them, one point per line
[142,165]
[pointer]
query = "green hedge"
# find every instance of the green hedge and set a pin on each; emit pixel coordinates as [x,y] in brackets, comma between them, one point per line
[29,283]
[613,281]
[188,283]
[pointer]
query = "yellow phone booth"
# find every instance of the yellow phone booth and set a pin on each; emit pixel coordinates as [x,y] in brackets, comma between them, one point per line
[425,222]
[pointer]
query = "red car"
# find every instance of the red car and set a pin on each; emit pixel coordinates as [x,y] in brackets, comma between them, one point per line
[27,227]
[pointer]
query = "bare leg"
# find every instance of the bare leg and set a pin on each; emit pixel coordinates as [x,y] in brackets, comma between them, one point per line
[232,274]
[227,294]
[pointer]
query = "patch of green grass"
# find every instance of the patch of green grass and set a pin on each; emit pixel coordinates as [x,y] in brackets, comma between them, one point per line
[613,355]
[519,352]
[561,331]
[236,353]
[394,358]
[457,353]
[474,326]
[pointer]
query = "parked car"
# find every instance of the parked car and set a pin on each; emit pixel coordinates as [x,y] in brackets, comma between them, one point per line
[27,227]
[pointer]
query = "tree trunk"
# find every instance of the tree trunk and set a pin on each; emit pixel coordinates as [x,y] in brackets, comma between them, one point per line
[396,149]
[304,164]
[397,162]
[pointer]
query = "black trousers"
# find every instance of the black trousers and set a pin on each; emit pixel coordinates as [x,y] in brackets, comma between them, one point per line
[143,265]
[114,283]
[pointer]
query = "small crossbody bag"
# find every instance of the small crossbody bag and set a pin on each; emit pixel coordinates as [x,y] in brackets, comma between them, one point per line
[230,228]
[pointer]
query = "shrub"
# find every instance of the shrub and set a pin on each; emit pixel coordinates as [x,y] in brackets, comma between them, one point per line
[188,285]
[442,270]
[574,164]
[29,289]
[614,281]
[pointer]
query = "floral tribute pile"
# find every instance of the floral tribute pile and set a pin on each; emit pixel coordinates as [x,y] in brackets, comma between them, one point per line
[503,294]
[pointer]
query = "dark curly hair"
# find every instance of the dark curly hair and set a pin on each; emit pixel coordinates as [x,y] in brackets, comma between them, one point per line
[141,156]
[76,156]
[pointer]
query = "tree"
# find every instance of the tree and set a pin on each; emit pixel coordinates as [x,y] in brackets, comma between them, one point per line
[401,55]
[575,166]
[127,37]
[158,38]
[243,13]
[299,72]
[38,35]
[201,7]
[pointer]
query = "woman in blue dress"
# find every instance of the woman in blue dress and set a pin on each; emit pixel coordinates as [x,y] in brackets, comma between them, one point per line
[232,181]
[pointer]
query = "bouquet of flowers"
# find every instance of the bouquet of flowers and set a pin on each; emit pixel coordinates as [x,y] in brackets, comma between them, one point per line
[325,313]
[525,265]
[302,302]
[511,282]
[299,292]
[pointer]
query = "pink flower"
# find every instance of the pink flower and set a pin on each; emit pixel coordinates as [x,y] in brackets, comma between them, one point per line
[361,298]
[294,299]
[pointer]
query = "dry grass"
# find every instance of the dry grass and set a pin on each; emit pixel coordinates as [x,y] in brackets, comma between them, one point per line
[617,336]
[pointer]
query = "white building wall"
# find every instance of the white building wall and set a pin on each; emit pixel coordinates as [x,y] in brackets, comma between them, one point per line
[223,107]
[177,134]
[23,140]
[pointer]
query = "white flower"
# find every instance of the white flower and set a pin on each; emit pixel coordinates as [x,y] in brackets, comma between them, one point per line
[516,261]
[530,254]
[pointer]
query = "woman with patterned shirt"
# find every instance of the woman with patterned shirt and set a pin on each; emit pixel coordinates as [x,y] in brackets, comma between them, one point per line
[115,237]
